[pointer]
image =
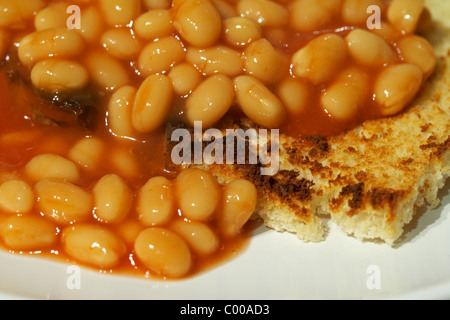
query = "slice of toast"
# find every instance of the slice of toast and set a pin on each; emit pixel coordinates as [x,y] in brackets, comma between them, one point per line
[369,181]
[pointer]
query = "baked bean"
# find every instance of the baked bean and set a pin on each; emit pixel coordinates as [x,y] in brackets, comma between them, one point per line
[217,59]
[396,86]
[124,162]
[120,12]
[152,103]
[156,202]
[87,152]
[119,111]
[160,55]
[10,15]
[210,101]
[14,13]
[28,233]
[369,49]
[240,31]
[51,166]
[93,245]
[265,13]
[121,43]
[200,237]
[417,50]
[58,43]
[387,31]
[112,199]
[154,24]
[128,231]
[198,22]
[405,14]
[294,94]
[226,10]
[16,196]
[157,4]
[258,102]
[92,24]
[264,62]
[198,194]
[347,95]
[310,15]
[320,59]
[238,205]
[354,12]
[163,252]
[63,202]
[185,78]
[53,16]
[56,75]
[106,71]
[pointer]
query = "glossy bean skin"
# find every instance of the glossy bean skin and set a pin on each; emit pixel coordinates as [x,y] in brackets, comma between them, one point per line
[320,59]
[93,245]
[198,194]
[210,101]
[258,102]
[56,75]
[216,59]
[121,43]
[51,166]
[152,103]
[120,12]
[310,15]
[185,78]
[264,62]
[163,252]
[346,96]
[238,205]
[396,86]
[87,153]
[405,14]
[369,49]
[241,31]
[154,24]
[63,202]
[39,45]
[156,202]
[120,111]
[52,16]
[199,236]
[106,71]
[112,199]
[16,196]
[160,55]
[28,233]
[294,94]
[418,51]
[265,13]
[198,22]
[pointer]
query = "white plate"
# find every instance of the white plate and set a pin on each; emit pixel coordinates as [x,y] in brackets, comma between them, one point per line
[275,266]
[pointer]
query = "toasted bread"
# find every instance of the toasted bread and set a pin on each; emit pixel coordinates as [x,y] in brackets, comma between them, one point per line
[370,180]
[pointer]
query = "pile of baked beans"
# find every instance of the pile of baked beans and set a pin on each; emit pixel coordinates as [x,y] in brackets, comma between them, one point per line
[173,220]
[154,61]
